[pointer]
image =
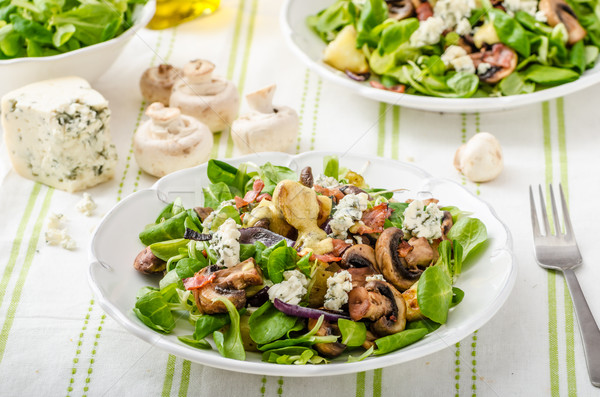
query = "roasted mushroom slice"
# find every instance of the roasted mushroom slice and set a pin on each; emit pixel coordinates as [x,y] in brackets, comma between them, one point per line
[380,302]
[203,212]
[413,312]
[359,255]
[394,268]
[240,276]
[502,61]
[306,177]
[400,9]
[446,223]
[327,349]
[558,11]
[421,255]
[360,274]
[147,263]
[207,303]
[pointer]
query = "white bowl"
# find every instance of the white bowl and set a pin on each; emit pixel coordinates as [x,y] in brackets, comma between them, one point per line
[87,62]
[487,281]
[309,48]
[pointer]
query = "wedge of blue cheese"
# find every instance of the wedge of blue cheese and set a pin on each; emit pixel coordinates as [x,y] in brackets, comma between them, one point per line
[57,133]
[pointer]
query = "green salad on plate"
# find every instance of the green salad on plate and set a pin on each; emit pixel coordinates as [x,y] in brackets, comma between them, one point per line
[460,48]
[303,268]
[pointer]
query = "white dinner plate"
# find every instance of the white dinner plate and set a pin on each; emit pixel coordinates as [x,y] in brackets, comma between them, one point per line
[309,47]
[487,281]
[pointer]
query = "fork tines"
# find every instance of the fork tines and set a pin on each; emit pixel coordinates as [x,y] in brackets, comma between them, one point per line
[568,229]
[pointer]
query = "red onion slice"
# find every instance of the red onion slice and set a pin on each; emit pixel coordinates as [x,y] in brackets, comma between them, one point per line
[306,312]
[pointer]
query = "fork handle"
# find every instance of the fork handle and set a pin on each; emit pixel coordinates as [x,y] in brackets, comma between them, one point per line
[590,334]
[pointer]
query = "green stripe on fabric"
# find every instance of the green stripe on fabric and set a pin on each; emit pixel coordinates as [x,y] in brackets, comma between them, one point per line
[552,307]
[474,365]
[381,129]
[360,384]
[244,67]
[214,153]
[280,386]
[263,384]
[301,110]
[457,370]
[90,370]
[168,381]
[463,140]
[377,381]
[78,349]
[16,245]
[31,251]
[395,132]
[185,378]
[568,303]
[236,39]
[315,118]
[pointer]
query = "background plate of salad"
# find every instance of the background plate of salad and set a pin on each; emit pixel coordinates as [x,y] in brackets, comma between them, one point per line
[449,55]
[138,301]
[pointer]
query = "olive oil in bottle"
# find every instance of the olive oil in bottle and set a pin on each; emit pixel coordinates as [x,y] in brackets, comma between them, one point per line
[173,12]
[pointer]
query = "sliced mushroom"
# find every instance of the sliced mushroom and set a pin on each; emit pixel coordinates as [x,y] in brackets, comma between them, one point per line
[228,283]
[210,99]
[400,9]
[421,255]
[446,223]
[393,267]
[351,189]
[359,255]
[203,212]
[327,349]
[306,177]
[380,302]
[360,274]
[147,263]
[502,61]
[156,83]
[170,141]
[266,128]
[369,341]
[413,312]
[558,11]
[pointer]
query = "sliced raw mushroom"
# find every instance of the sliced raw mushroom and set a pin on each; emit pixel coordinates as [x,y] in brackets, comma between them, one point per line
[502,61]
[266,127]
[157,82]
[329,350]
[558,11]
[170,141]
[394,268]
[147,263]
[400,9]
[380,302]
[211,99]
[359,255]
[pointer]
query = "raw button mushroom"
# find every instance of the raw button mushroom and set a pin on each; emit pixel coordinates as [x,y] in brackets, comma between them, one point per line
[170,141]
[266,127]
[156,83]
[211,99]
[480,159]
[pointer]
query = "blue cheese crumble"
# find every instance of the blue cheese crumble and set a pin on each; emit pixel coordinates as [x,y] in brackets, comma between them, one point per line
[86,205]
[226,244]
[423,222]
[291,290]
[338,287]
[428,33]
[458,58]
[375,277]
[56,232]
[328,182]
[348,211]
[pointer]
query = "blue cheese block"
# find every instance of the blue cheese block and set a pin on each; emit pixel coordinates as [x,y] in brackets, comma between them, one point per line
[57,133]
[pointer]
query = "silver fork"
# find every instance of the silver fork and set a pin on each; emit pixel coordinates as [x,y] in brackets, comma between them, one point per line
[559,251]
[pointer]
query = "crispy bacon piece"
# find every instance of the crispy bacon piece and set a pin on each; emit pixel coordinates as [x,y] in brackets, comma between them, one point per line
[339,246]
[404,248]
[250,196]
[374,219]
[264,196]
[336,193]
[198,281]
[326,258]
[424,11]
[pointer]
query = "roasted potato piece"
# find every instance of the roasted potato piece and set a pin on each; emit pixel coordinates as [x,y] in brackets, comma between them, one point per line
[343,55]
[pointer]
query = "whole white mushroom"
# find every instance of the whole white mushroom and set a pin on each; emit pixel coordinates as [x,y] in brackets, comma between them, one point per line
[211,99]
[480,159]
[170,141]
[266,127]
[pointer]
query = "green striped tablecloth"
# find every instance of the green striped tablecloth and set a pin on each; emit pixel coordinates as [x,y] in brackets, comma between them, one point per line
[56,341]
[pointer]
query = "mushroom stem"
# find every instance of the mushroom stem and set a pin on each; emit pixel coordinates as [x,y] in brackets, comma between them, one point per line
[198,71]
[262,100]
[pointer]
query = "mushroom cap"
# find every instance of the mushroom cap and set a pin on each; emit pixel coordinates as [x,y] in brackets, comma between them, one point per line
[261,132]
[395,321]
[147,263]
[156,83]
[558,11]
[480,159]
[171,144]
[400,9]
[390,264]
[327,349]
[211,99]
[359,255]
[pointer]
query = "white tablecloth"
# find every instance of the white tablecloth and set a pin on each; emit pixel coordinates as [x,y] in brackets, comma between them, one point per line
[55,340]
